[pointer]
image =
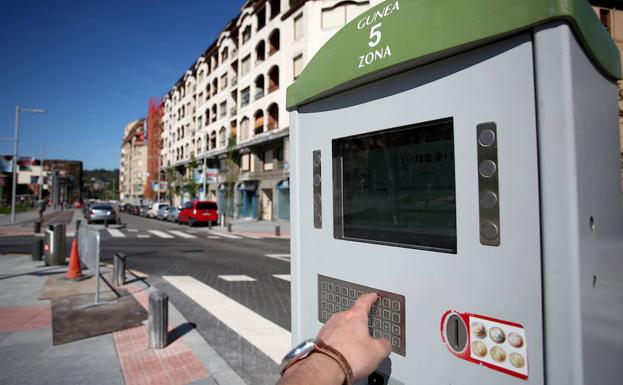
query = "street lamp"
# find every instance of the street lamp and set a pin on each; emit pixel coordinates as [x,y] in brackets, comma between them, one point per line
[18,109]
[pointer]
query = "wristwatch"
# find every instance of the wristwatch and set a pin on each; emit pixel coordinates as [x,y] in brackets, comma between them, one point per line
[307,347]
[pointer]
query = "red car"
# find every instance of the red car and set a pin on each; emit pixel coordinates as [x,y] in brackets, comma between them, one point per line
[194,212]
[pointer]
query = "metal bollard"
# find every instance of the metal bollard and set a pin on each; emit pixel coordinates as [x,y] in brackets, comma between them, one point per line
[37,250]
[210,225]
[118,269]
[158,320]
[277,231]
[229,227]
[106,222]
[37,227]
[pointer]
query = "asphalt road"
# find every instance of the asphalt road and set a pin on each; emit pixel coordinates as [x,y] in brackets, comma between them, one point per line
[244,270]
[233,286]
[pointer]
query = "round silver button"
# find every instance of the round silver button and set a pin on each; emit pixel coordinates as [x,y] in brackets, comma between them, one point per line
[487,168]
[486,138]
[489,230]
[317,180]
[488,199]
[317,198]
[316,159]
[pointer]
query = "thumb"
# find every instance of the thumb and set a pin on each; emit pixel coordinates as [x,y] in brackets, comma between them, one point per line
[382,347]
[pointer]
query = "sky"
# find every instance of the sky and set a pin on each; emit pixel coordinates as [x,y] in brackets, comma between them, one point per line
[93,65]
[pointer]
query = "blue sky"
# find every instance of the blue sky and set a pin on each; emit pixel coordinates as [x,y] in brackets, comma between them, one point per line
[93,64]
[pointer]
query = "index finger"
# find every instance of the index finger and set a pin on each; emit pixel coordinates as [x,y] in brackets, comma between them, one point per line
[365,302]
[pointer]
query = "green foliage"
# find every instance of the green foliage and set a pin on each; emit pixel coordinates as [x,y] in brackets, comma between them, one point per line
[190,186]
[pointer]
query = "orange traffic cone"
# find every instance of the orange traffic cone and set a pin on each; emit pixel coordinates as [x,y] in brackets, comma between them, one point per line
[74,272]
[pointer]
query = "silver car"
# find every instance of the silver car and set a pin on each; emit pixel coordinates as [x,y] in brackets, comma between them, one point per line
[102,213]
[162,212]
[172,214]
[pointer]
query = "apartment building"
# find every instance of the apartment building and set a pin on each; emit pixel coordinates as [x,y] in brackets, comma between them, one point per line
[133,167]
[227,114]
[610,12]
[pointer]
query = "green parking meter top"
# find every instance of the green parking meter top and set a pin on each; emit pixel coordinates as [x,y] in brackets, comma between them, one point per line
[399,34]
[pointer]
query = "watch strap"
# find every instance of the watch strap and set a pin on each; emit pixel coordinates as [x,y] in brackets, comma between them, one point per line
[322,347]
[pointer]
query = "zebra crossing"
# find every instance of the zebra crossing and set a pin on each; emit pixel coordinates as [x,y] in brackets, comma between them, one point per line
[175,234]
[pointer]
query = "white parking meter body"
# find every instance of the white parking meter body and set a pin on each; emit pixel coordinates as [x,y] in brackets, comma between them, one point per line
[461,159]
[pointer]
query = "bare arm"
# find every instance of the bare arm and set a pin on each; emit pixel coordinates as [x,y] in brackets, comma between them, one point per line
[347,332]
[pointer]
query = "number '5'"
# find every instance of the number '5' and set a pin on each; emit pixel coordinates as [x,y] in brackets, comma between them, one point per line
[375,35]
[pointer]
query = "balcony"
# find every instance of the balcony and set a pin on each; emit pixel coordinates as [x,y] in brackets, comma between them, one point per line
[233,111]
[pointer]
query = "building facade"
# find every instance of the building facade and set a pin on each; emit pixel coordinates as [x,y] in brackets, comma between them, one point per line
[610,12]
[225,122]
[133,166]
[154,147]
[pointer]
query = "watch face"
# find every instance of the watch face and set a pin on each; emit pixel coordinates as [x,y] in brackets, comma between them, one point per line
[299,352]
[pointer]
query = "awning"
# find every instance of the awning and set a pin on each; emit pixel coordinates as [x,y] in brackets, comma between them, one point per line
[247,186]
[283,185]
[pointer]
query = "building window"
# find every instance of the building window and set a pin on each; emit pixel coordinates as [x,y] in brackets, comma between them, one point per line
[224,54]
[259,122]
[261,18]
[298,66]
[273,42]
[223,108]
[298,27]
[268,160]
[245,97]
[273,116]
[260,52]
[222,135]
[273,79]
[259,87]
[246,34]
[245,65]
[223,81]
[244,129]
[245,162]
[275,8]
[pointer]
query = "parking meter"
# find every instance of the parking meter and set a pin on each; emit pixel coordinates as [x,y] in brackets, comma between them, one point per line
[461,159]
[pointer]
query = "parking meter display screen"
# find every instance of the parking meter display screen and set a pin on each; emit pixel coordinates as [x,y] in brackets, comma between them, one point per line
[397,187]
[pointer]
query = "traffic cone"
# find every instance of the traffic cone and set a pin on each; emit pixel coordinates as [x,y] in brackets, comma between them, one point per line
[74,272]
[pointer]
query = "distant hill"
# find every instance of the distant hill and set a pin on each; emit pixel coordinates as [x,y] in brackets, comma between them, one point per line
[100,174]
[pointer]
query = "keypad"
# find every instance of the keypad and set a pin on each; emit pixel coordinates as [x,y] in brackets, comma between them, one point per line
[386,318]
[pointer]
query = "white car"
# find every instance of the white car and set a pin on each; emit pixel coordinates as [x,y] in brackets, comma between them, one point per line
[155,208]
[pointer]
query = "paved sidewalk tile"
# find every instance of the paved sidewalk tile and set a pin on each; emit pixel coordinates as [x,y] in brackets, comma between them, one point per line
[13,319]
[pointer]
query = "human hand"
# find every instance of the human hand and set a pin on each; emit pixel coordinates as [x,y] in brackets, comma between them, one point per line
[347,332]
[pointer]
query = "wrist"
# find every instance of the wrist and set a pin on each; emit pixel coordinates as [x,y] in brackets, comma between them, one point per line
[317,368]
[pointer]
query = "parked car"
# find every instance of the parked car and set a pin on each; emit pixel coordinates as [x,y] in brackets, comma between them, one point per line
[143,211]
[162,212]
[155,208]
[135,210]
[102,213]
[172,214]
[194,212]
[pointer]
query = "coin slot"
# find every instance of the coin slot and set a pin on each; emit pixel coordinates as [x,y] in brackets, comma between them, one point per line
[456,333]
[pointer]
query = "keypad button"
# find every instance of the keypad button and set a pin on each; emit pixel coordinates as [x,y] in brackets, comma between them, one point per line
[344,291]
[323,295]
[377,323]
[331,297]
[517,360]
[396,318]
[370,331]
[338,308]
[497,335]
[351,303]
[387,314]
[376,333]
[323,305]
[396,330]
[515,340]
[351,293]
[323,285]
[369,321]
[359,293]
[338,288]
[330,286]
[338,299]
[498,354]
[396,342]
[386,303]
[345,301]
[377,311]
[324,315]
[331,308]
[386,326]
[395,305]
[387,337]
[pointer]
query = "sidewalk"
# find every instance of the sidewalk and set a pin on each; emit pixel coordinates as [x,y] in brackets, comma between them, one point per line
[257,228]
[28,327]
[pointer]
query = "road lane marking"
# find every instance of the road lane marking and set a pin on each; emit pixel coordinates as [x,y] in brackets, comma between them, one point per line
[285,277]
[213,237]
[133,230]
[116,233]
[161,234]
[237,278]
[271,339]
[181,234]
[224,235]
[281,257]
[143,236]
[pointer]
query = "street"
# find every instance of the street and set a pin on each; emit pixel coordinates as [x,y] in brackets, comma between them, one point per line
[235,287]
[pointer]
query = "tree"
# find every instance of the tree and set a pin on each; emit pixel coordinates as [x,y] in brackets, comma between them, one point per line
[170,178]
[190,184]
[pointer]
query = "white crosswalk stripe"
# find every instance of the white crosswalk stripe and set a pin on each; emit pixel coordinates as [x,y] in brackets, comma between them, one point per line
[181,234]
[224,235]
[161,234]
[237,278]
[143,236]
[213,237]
[271,339]
[251,236]
[285,277]
[281,257]
[115,233]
